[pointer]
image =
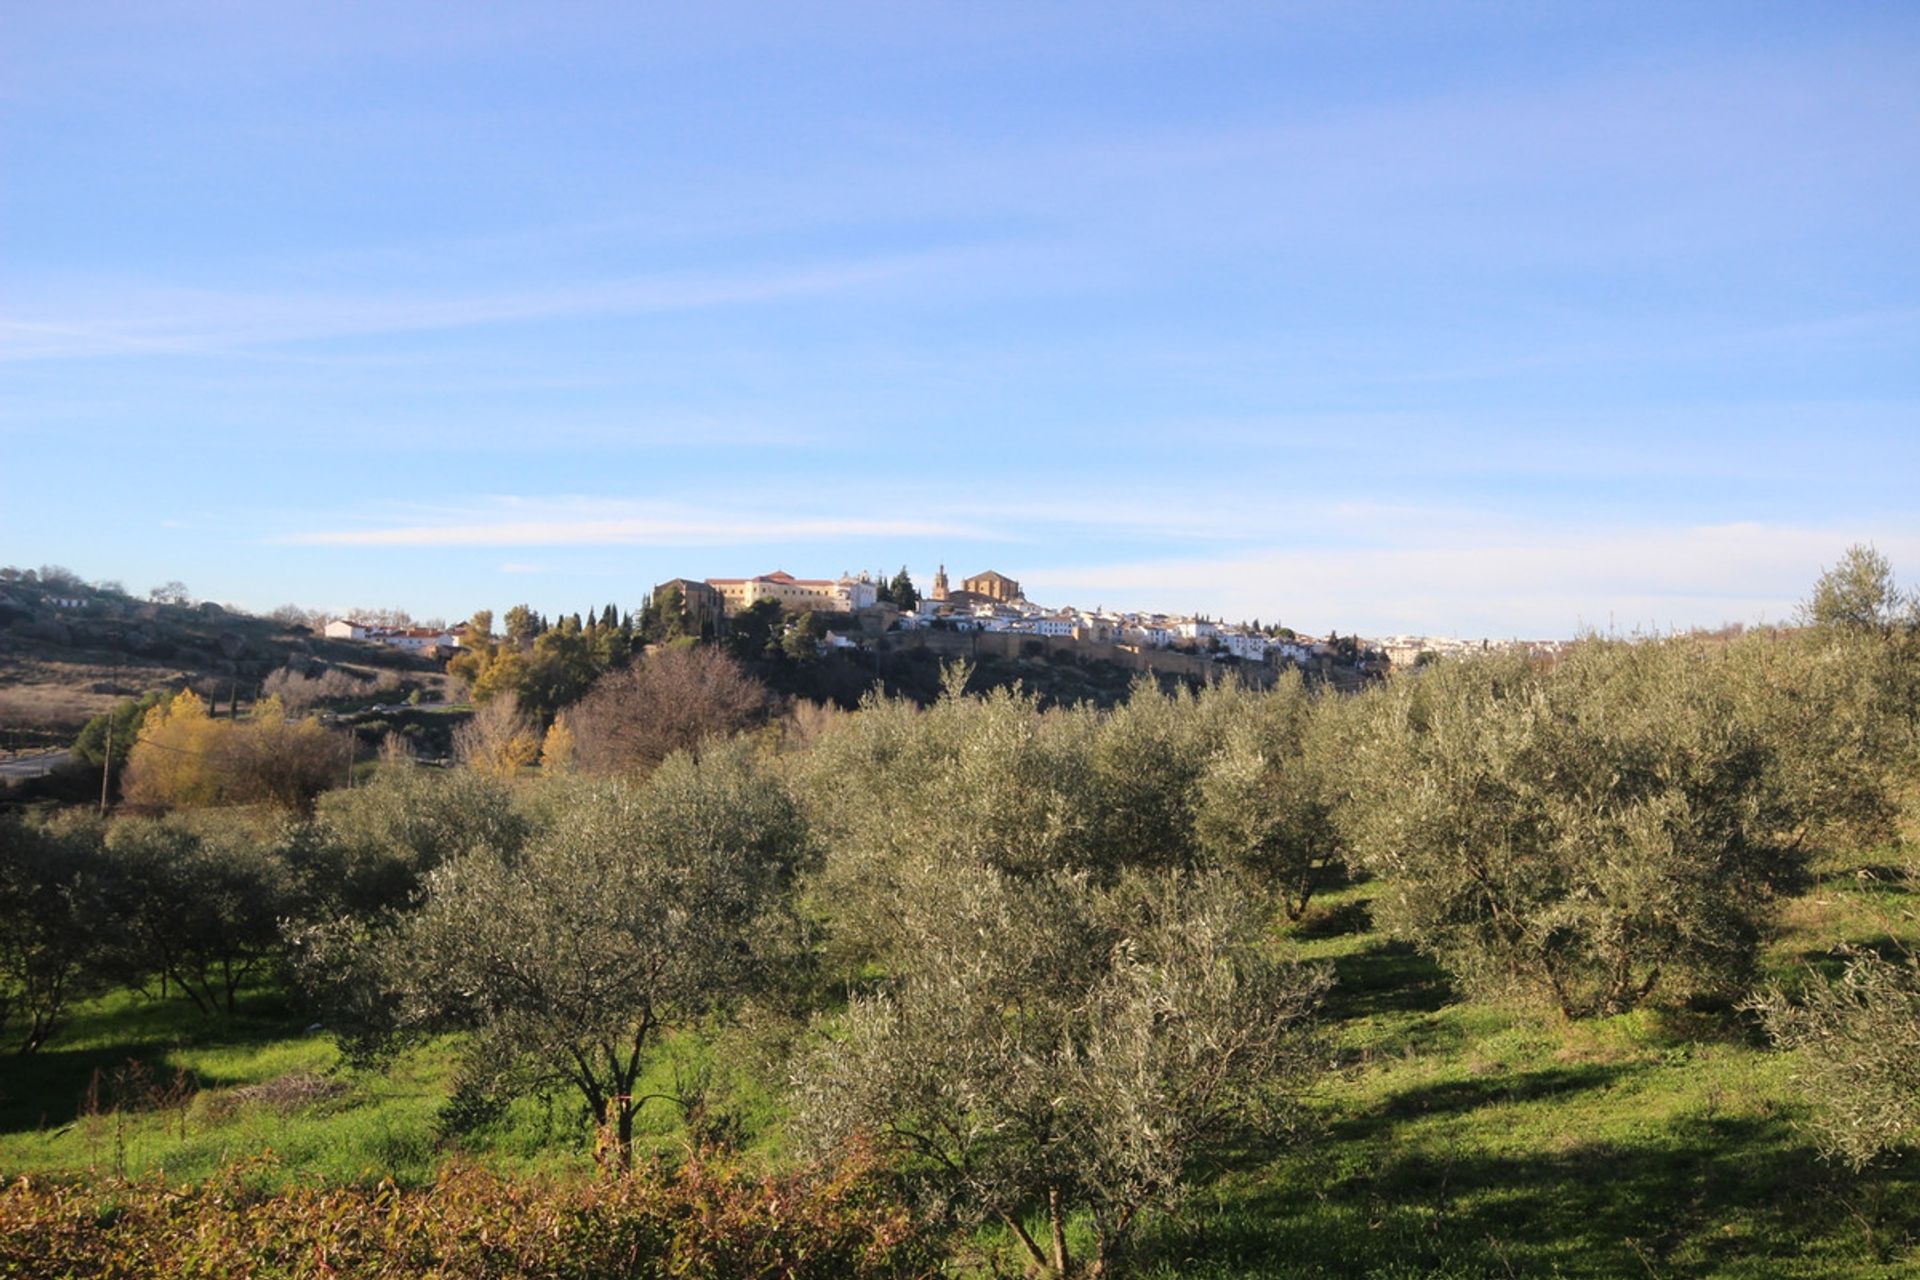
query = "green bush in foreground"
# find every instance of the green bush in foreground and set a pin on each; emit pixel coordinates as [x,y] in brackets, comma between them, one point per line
[1859,1039]
[703,1219]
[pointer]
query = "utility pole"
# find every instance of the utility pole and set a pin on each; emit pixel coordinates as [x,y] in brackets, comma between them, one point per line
[106,772]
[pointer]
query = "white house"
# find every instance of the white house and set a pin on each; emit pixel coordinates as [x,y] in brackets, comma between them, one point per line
[1251,647]
[1150,634]
[412,639]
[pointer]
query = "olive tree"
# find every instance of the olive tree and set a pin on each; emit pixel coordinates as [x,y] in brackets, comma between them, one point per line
[1857,594]
[631,908]
[1586,831]
[899,796]
[1859,1043]
[374,846]
[198,900]
[1050,1045]
[1266,800]
[53,928]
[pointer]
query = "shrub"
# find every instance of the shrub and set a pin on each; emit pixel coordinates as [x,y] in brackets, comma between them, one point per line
[187,759]
[1859,1045]
[705,1219]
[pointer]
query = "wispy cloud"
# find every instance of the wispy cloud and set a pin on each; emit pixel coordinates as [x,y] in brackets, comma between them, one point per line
[1495,580]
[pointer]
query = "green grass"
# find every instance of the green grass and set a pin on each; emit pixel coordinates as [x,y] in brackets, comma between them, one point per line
[1452,1138]
[137,1085]
[1467,1140]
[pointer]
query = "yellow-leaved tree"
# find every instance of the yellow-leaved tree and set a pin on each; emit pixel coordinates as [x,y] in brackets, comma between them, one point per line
[499,740]
[556,752]
[184,758]
[171,764]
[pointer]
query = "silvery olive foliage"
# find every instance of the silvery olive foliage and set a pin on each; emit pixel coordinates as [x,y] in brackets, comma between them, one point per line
[1048,1045]
[1859,594]
[1587,831]
[1858,1040]
[1227,778]
[631,908]
[375,844]
[899,796]
[1266,797]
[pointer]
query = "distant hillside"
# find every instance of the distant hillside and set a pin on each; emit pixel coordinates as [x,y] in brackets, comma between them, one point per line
[842,679]
[69,652]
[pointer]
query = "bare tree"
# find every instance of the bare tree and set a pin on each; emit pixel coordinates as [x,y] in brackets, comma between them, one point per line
[674,700]
[299,692]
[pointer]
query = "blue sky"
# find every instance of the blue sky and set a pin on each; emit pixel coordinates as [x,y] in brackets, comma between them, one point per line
[1482,319]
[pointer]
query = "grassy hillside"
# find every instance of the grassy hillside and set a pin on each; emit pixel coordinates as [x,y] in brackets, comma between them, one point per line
[1453,1139]
[62,662]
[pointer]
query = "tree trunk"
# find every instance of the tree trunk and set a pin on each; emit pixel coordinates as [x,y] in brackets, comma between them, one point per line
[1057,1221]
[625,1135]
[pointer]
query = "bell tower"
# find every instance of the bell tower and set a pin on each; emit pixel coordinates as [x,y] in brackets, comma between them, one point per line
[940,584]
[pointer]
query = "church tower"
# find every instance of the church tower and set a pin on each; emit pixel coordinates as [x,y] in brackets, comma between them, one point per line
[940,584]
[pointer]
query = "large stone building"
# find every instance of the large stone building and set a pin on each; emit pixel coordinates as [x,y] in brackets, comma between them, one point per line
[994,586]
[704,607]
[845,594]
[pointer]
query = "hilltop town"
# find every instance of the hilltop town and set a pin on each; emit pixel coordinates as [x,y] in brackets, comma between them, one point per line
[990,603]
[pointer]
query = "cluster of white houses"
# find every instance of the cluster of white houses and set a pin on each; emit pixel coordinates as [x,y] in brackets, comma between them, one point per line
[987,601]
[1405,651]
[417,639]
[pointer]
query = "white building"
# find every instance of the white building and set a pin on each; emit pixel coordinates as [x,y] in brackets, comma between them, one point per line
[1148,634]
[855,594]
[413,639]
[1253,648]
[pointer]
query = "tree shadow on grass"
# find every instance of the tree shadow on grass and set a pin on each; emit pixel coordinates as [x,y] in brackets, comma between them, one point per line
[1453,1097]
[56,1085]
[1390,977]
[1831,962]
[1336,920]
[1881,878]
[1710,1195]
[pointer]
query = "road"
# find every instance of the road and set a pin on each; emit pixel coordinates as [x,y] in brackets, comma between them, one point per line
[33,766]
